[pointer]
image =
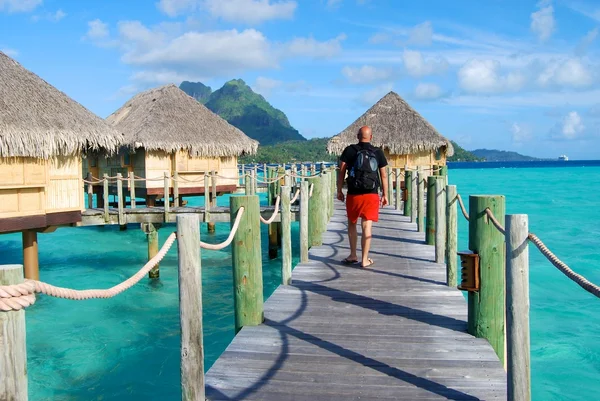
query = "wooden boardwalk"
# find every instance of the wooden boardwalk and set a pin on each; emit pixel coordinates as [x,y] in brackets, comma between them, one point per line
[392,332]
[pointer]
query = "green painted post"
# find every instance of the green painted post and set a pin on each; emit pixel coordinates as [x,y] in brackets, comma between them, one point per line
[430,217]
[486,307]
[247,263]
[316,212]
[443,171]
[408,177]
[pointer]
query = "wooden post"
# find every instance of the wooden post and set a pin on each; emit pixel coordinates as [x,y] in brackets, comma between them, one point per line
[247,263]
[304,171]
[175,189]
[120,200]
[451,235]
[486,307]
[286,237]
[243,179]
[421,200]
[31,260]
[313,169]
[390,180]
[248,185]
[408,185]
[272,228]
[315,212]
[254,181]
[105,197]
[517,308]
[213,200]
[167,196]
[207,202]
[430,211]
[398,188]
[152,236]
[190,307]
[132,188]
[13,358]
[326,188]
[440,219]
[90,191]
[304,188]
[414,199]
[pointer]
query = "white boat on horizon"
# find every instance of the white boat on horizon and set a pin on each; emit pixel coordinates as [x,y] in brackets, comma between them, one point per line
[564,158]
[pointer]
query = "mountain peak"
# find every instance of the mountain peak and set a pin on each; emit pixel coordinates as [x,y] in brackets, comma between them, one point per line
[197,90]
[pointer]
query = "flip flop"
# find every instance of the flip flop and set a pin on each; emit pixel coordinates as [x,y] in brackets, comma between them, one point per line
[371,263]
[347,261]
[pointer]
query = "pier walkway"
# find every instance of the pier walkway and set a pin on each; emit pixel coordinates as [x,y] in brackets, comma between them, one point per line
[394,331]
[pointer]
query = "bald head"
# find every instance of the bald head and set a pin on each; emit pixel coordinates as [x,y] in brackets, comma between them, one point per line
[365,134]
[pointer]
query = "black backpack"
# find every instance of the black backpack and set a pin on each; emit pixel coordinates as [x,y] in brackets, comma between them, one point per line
[363,175]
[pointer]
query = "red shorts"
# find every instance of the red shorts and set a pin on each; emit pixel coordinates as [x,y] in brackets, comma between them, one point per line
[365,206]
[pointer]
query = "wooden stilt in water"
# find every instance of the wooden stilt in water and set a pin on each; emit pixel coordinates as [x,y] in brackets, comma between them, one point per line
[31,261]
[190,308]
[430,218]
[247,263]
[451,235]
[151,231]
[304,221]
[486,307]
[13,359]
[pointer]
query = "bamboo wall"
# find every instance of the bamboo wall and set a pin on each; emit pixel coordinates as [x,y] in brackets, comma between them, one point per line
[64,191]
[416,159]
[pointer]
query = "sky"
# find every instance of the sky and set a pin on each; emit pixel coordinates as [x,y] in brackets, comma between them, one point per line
[499,74]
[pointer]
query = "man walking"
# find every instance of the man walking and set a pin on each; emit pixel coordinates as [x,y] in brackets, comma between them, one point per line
[365,165]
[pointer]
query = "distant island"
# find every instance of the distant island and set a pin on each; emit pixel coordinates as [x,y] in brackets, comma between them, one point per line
[462,155]
[492,155]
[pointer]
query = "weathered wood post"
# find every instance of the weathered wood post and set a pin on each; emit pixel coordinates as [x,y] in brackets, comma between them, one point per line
[90,191]
[167,195]
[247,262]
[120,200]
[13,358]
[242,180]
[414,199]
[440,219]
[486,307]
[304,171]
[420,200]
[315,212]
[151,231]
[430,212]
[304,221]
[213,181]
[408,185]
[398,188]
[517,308]
[210,226]
[31,259]
[390,180]
[132,189]
[313,169]
[254,181]
[175,189]
[248,185]
[190,307]
[451,235]
[286,237]
[105,197]
[271,199]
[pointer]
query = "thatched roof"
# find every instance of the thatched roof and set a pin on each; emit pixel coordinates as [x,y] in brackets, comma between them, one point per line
[166,118]
[396,127]
[37,120]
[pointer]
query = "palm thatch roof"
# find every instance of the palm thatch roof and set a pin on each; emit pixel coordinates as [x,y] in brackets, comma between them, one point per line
[166,118]
[396,126]
[37,120]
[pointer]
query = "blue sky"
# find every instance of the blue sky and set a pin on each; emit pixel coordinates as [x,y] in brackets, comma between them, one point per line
[515,75]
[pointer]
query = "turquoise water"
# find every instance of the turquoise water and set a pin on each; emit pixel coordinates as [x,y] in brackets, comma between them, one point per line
[562,205]
[127,348]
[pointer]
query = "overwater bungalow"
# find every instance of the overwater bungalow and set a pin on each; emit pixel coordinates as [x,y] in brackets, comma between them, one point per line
[406,138]
[167,132]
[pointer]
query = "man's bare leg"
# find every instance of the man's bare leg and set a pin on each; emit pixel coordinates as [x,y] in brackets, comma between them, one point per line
[353,239]
[365,241]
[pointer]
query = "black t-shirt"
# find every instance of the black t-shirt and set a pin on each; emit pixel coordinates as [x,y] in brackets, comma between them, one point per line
[349,155]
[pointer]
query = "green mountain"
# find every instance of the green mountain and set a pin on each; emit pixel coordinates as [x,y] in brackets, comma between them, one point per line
[237,103]
[197,90]
[492,155]
[462,155]
[292,151]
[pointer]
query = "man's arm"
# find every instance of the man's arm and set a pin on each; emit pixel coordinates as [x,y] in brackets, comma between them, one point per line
[384,186]
[340,180]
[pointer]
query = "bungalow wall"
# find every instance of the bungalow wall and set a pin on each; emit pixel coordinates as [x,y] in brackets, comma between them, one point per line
[425,158]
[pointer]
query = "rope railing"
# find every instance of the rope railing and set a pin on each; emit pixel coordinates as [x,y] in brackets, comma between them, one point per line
[462,207]
[20,296]
[310,191]
[236,225]
[296,195]
[272,218]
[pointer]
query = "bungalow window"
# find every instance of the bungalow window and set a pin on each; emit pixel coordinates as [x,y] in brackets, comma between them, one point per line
[126,160]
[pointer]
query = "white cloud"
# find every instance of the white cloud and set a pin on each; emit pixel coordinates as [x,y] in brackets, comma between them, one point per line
[428,91]
[97,30]
[571,127]
[421,35]
[52,17]
[174,8]
[366,74]
[586,42]
[310,47]
[520,132]
[265,86]
[585,9]
[19,6]
[542,21]
[379,38]
[10,52]
[485,77]
[418,66]
[251,11]
[370,97]
[566,73]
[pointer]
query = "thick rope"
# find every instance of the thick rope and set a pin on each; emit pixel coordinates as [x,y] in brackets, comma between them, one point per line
[462,207]
[312,186]
[566,270]
[236,224]
[272,219]
[296,195]
[19,296]
[496,223]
